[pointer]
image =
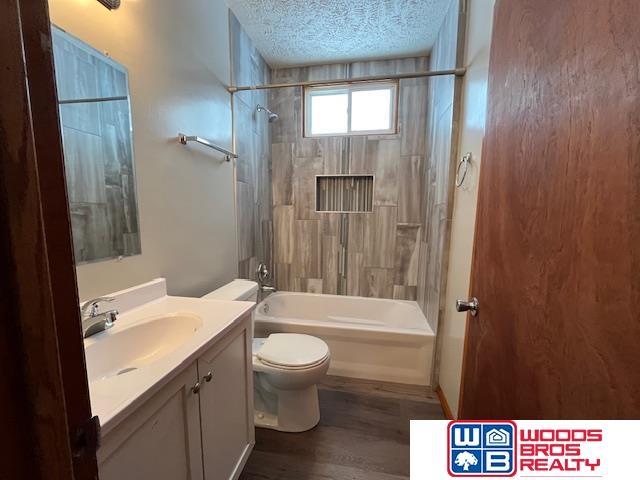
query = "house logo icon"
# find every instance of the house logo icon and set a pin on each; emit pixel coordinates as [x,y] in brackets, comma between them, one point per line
[481,449]
[497,437]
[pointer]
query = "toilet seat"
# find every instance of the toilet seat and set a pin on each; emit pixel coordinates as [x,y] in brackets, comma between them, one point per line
[291,351]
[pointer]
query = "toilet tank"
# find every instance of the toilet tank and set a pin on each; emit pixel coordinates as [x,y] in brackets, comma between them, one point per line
[239,289]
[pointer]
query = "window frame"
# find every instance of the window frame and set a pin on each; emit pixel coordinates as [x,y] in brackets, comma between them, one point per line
[349,88]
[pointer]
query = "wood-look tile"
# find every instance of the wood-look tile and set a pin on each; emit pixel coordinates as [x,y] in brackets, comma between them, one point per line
[380,237]
[84,166]
[304,187]
[399,163]
[131,243]
[380,158]
[241,48]
[245,218]
[330,259]
[355,262]
[326,72]
[403,292]
[330,224]
[391,66]
[76,70]
[266,255]
[115,216]
[115,128]
[283,234]
[283,277]
[412,118]
[282,173]
[410,189]
[91,231]
[112,82]
[357,226]
[308,147]
[333,153]
[81,116]
[244,270]
[111,157]
[308,249]
[422,275]
[308,285]
[438,170]
[287,103]
[407,251]
[376,282]
[253,167]
[245,144]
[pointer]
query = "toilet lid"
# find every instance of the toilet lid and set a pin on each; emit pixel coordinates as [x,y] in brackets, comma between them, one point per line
[293,350]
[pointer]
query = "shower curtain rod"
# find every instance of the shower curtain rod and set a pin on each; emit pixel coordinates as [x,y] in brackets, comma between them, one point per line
[458,72]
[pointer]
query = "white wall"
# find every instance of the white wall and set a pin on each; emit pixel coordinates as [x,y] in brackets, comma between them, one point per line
[472,123]
[177,54]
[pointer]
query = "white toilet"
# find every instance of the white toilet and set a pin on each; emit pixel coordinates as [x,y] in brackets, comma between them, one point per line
[286,369]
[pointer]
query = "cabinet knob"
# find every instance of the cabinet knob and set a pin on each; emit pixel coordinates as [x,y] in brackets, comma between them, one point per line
[207,378]
[196,388]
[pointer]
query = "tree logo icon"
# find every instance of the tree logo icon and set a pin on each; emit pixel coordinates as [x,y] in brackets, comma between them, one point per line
[466,460]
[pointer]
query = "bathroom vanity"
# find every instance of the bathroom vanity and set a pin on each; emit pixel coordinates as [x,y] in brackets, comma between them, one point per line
[172,385]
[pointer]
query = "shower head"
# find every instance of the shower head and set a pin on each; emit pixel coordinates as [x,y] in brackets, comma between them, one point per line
[272,116]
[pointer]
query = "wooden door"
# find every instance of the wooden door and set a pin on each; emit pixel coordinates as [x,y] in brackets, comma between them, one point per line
[557,255]
[226,406]
[45,411]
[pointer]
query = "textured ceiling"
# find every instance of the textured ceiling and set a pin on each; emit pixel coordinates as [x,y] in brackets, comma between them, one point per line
[303,32]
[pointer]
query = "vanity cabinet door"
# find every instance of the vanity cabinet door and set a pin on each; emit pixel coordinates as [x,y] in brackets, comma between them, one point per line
[160,440]
[226,405]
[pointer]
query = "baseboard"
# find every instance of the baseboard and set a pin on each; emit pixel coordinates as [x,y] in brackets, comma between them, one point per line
[445,405]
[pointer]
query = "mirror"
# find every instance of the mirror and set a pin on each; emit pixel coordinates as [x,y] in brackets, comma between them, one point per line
[95,116]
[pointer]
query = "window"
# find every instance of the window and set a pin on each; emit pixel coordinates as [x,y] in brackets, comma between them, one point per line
[358,109]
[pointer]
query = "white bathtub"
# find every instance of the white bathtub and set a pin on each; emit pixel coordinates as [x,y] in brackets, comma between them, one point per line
[377,339]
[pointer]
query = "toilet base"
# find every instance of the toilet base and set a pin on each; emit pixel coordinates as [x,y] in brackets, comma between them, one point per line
[286,410]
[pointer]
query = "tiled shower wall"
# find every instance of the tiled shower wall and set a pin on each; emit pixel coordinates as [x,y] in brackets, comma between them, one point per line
[369,254]
[253,166]
[439,171]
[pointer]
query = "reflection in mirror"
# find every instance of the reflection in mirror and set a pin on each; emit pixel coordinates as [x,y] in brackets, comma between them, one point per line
[93,96]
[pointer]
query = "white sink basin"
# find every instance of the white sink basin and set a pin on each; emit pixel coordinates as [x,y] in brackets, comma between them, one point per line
[121,350]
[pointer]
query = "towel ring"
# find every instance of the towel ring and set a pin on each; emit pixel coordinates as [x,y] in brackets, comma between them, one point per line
[460,173]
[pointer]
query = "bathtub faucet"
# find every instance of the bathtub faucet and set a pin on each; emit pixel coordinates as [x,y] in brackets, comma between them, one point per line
[262,274]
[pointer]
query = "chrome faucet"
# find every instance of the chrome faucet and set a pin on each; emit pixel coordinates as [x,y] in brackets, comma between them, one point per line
[94,322]
[262,274]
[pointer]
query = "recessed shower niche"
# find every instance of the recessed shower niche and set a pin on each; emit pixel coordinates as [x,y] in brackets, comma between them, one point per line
[344,193]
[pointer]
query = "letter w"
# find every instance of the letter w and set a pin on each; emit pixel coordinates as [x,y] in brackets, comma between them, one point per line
[470,437]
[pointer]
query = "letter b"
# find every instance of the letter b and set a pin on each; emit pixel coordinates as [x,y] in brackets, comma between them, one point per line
[497,461]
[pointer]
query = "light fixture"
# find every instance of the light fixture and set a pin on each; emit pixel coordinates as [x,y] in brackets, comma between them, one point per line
[110,4]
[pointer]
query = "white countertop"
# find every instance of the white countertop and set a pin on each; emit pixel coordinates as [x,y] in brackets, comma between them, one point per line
[114,398]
